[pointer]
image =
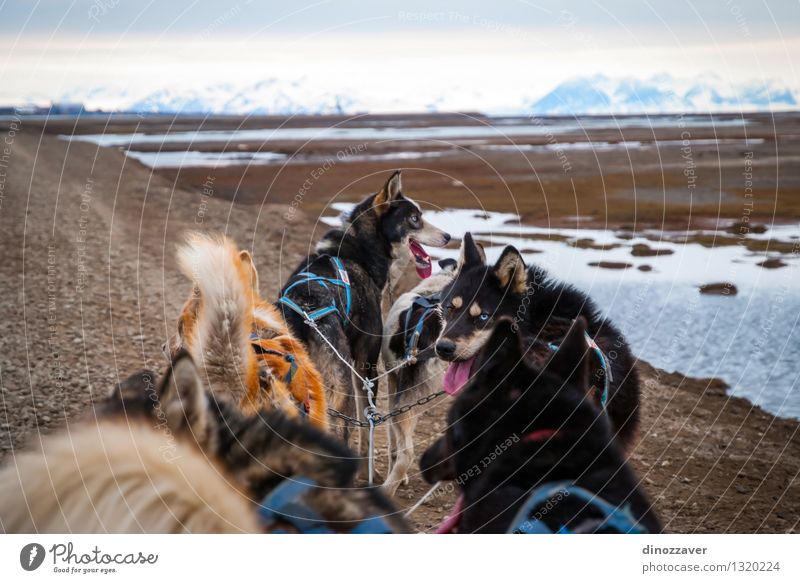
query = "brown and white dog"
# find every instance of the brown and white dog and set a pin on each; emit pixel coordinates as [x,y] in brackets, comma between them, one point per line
[241,341]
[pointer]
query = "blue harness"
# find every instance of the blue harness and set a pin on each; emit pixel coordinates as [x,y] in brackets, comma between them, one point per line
[284,505]
[429,305]
[607,377]
[614,519]
[306,277]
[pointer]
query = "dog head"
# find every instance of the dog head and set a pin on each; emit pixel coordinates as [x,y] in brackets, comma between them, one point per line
[400,224]
[259,449]
[478,297]
[413,320]
[510,398]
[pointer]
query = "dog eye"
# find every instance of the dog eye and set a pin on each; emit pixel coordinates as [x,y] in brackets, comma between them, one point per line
[483,317]
[414,219]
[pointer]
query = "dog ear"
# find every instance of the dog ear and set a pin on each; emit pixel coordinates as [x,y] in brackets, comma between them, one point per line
[511,271]
[173,344]
[472,254]
[570,361]
[183,400]
[133,387]
[249,267]
[389,193]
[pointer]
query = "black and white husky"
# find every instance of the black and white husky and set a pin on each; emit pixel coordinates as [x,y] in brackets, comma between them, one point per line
[410,332]
[540,307]
[347,272]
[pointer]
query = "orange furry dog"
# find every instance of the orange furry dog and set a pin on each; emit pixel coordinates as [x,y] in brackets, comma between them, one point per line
[238,339]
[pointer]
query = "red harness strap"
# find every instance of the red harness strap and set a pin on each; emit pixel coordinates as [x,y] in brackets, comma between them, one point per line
[540,435]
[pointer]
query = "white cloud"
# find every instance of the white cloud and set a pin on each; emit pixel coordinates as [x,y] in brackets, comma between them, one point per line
[497,69]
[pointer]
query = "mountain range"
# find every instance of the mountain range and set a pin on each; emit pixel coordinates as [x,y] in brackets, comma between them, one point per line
[597,94]
[663,94]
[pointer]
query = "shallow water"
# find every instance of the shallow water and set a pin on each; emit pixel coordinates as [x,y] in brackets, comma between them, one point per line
[399,132]
[197,159]
[194,159]
[750,340]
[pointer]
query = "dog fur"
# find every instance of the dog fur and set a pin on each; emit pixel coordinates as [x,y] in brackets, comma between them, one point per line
[377,231]
[419,378]
[170,456]
[111,477]
[541,308]
[516,426]
[241,340]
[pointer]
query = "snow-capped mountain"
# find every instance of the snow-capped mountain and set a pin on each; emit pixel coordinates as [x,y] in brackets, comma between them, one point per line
[270,96]
[581,95]
[663,94]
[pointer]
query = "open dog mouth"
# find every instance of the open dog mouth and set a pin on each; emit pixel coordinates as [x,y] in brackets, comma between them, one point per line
[452,521]
[422,261]
[457,375]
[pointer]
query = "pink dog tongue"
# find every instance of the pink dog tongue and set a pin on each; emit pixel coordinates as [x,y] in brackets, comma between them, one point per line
[456,376]
[450,523]
[422,261]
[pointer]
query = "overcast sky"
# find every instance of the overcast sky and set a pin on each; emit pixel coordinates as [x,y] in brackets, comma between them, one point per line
[700,17]
[51,47]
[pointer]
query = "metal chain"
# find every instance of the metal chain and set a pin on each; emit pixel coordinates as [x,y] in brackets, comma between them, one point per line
[407,408]
[373,417]
[347,418]
[391,414]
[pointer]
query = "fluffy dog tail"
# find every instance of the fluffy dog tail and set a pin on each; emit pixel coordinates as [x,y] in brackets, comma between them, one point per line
[220,339]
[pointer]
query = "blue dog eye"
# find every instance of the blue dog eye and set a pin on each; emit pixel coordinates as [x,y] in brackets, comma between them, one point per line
[484,316]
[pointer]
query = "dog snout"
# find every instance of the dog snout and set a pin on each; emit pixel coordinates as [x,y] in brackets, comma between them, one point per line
[442,238]
[446,349]
[430,235]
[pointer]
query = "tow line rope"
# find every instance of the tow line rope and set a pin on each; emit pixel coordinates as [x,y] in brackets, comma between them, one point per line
[371,413]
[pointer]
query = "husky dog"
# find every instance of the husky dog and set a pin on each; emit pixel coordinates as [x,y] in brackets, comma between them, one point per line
[410,331]
[528,449]
[242,341]
[169,456]
[542,308]
[342,282]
